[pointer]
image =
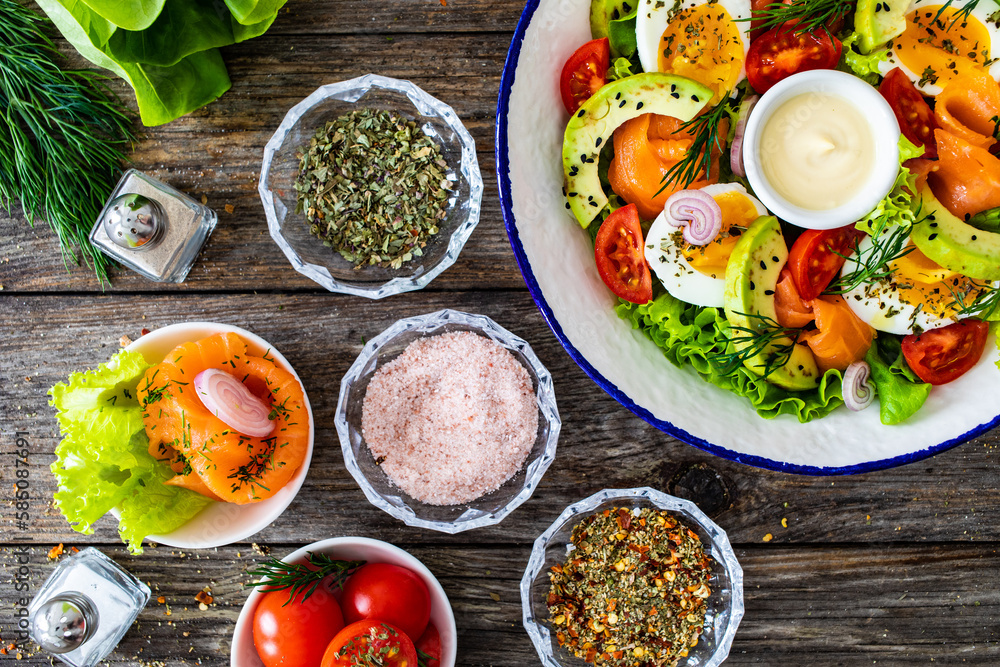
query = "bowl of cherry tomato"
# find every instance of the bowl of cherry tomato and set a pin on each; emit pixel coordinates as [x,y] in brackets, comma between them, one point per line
[336,602]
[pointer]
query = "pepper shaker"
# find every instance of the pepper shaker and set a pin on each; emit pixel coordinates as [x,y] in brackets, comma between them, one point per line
[85,608]
[152,228]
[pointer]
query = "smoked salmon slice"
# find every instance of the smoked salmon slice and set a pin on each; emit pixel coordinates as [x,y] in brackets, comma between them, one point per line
[207,455]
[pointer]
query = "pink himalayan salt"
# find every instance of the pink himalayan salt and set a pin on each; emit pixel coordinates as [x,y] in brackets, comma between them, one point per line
[454,416]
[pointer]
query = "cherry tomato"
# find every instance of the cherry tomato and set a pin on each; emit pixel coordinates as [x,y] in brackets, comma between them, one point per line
[780,52]
[370,642]
[818,255]
[941,355]
[388,593]
[620,258]
[430,643]
[916,120]
[297,633]
[584,73]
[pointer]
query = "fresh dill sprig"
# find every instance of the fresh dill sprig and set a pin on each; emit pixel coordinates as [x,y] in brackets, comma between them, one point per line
[767,338]
[697,163]
[985,299]
[807,15]
[278,575]
[961,14]
[63,135]
[872,266]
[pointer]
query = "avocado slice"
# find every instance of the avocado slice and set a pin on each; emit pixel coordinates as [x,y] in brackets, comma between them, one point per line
[751,276]
[597,119]
[878,21]
[954,243]
[603,12]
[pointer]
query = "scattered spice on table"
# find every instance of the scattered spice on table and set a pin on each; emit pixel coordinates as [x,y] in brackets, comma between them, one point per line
[374,187]
[632,590]
[454,417]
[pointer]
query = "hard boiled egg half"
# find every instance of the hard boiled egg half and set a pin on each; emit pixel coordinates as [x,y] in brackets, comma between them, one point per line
[939,44]
[699,39]
[915,295]
[697,273]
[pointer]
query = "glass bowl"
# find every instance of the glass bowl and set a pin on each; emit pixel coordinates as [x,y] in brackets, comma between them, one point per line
[725,604]
[381,491]
[290,230]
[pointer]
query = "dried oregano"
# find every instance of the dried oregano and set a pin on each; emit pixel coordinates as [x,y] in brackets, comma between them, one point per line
[373,187]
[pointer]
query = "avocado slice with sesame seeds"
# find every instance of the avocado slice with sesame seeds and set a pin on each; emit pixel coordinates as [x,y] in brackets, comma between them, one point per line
[878,21]
[954,243]
[593,124]
[603,12]
[751,277]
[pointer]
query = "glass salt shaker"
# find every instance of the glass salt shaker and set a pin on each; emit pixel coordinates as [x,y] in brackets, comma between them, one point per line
[152,228]
[85,608]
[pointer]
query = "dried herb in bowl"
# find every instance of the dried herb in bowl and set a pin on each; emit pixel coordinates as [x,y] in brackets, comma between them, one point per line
[632,591]
[374,187]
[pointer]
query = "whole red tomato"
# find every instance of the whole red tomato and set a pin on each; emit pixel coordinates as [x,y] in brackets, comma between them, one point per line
[430,643]
[297,633]
[370,642]
[388,593]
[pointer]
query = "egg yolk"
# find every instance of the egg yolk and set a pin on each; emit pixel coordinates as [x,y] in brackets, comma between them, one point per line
[942,49]
[921,281]
[737,214]
[703,43]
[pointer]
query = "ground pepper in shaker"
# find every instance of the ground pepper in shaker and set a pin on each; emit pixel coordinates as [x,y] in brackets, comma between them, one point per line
[85,607]
[152,228]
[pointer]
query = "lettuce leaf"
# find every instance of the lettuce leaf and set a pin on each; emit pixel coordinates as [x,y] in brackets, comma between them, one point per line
[103,460]
[167,50]
[900,392]
[897,207]
[692,335]
[862,66]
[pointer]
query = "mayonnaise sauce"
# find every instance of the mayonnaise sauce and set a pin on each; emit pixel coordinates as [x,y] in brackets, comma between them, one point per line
[817,151]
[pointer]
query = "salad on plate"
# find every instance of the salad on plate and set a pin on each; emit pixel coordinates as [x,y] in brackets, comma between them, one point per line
[799,319]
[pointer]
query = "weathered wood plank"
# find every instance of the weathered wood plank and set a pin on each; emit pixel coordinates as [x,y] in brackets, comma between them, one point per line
[216,152]
[898,605]
[951,497]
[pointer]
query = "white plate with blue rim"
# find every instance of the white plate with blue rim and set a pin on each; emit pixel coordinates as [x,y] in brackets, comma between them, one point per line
[556,258]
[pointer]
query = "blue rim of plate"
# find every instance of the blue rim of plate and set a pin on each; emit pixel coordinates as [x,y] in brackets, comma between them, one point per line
[507,210]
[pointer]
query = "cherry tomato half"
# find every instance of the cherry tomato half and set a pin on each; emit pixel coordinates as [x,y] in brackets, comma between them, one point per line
[621,260]
[781,52]
[584,73]
[941,355]
[388,593]
[430,643]
[818,255]
[297,633]
[916,120]
[370,642]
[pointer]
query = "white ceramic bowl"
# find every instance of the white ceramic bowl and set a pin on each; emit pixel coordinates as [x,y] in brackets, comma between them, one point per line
[243,653]
[224,523]
[557,260]
[881,121]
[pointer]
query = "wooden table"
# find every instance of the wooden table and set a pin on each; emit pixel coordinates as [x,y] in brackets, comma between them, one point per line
[897,567]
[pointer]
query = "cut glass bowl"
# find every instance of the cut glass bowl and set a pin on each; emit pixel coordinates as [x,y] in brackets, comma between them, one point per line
[725,604]
[290,230]
[487,510]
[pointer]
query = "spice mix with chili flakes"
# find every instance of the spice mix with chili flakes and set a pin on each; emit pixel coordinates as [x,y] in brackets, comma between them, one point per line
[632,590]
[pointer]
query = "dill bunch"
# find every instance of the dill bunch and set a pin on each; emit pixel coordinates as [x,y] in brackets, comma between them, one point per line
[63,136]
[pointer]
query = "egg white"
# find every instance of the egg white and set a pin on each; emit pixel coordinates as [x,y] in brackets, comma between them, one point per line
[886,308]
[670,265]
[654,15]
[982,12]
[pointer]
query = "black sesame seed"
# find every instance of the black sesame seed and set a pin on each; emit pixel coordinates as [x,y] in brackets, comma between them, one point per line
[676,96]
[752,286]
[932,237]
[618,96]
[594,204]
[763,265]
[580,115]
[973,237]
[571,194]
[774,258]
[622,103]
[598,142]
[695,98]
[568,206]
[639,105]
[769,292]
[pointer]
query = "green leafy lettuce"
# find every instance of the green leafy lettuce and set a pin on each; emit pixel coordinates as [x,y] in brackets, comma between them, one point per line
[862,66]
[167,50]
[900,392]
[694,335]
[897,208]
[103,460]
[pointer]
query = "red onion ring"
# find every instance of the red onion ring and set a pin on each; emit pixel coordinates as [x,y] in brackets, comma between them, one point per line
[736,149]
[228,399]
[698,213]
[858,391]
